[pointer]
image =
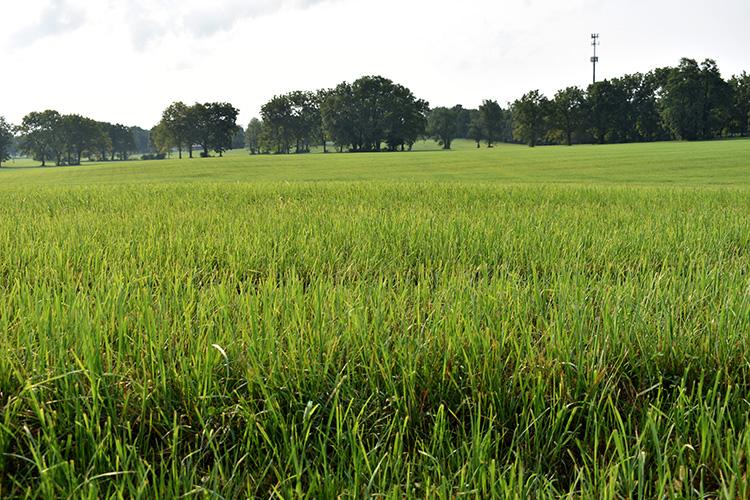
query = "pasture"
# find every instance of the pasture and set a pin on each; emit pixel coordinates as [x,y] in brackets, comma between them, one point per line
[510,322]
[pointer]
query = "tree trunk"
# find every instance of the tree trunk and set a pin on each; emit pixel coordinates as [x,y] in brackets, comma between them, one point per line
[179,151]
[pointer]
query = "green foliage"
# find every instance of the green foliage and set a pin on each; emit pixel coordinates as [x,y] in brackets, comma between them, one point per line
[492,120]
[649,125]
[607,103]
[371,111]
[66,139]
[530,118]
[475,132]
[41,136]
[740,120]
[442,125]
[253,136]
[7,137]
[177,129]
[82,135]
[696,103]
[293,120]
[162,139]
[121,140]
[212,125]
[238,139]
[567,113]
[167,337]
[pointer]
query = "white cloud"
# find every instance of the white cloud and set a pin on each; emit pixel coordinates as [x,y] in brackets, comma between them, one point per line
[57,17]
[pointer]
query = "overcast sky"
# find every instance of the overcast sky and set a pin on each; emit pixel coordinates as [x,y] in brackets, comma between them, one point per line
[125,60]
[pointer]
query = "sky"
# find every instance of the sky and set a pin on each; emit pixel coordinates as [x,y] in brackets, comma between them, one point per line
[125,60]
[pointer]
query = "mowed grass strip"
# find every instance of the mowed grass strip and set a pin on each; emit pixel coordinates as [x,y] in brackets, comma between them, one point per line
[373,338]
[719,163]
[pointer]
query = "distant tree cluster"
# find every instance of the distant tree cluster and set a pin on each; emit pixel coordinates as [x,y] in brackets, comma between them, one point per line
[49,136]
[688,102]
[370,114]
[211,127]
[490,123]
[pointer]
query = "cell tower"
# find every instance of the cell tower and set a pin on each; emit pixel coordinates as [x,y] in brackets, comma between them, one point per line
[595,58]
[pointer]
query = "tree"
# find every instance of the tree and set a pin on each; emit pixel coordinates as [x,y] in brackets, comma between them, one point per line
[697,101]
[371,111]
[370,95]
[81,135]
[142,140]
[442,125]
[339,117]
[492,119]
[463,121]
[121,138]
[177,125]
[740,120]
[252,136]
[475,131]
[320,98]
[607,103]
[648,122]
[567,112]
[6,140]
[304,120]
[277,132]
[405,118]
[215,123]
[530,117]
[238,139]
[40,136]
[161,138]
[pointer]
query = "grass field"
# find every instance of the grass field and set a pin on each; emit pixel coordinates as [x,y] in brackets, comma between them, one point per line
[510,322]
[681,164]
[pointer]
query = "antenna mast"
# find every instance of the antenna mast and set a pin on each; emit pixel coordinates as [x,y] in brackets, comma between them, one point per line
[595,43]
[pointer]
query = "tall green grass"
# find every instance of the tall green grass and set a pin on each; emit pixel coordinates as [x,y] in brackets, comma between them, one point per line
[396,339]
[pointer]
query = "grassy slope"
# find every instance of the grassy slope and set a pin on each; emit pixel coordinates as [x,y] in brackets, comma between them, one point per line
[699,164]
[490,335]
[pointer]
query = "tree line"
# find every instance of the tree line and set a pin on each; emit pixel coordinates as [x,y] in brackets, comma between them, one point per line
[688,102]
[51,137]
[691,101]
[48,136]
